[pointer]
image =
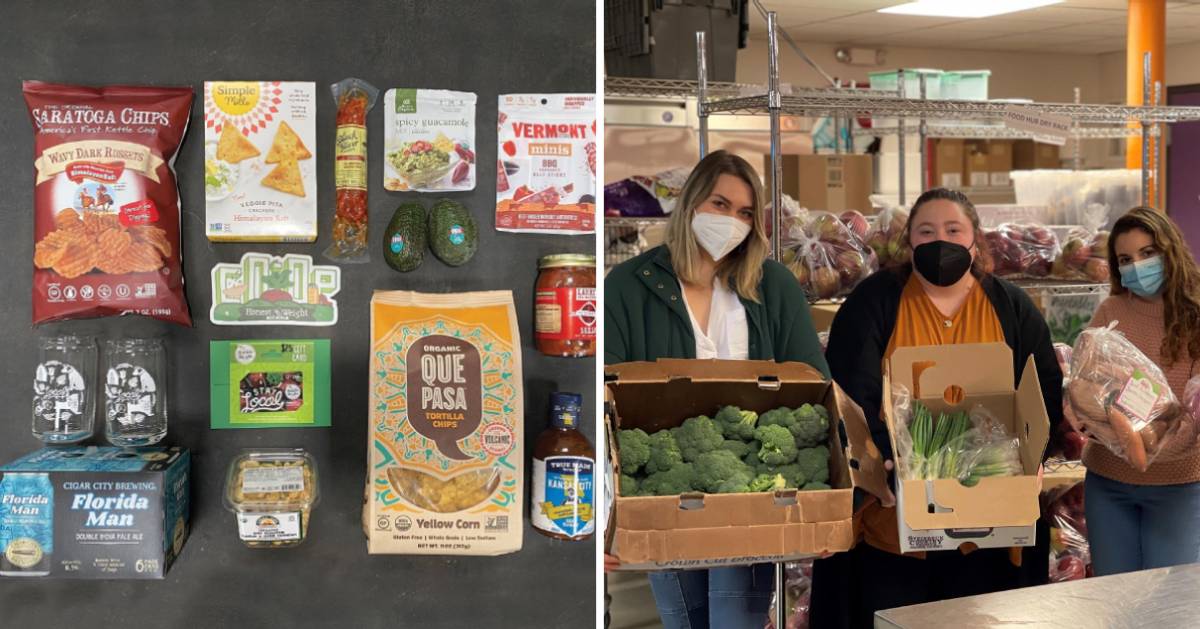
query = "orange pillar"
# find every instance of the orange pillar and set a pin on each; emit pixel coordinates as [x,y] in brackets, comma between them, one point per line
[1147,33]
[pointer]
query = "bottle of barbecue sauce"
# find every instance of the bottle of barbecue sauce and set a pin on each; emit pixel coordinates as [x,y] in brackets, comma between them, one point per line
[564,474]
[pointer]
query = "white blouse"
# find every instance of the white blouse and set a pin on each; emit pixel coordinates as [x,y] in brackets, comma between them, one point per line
[728,334]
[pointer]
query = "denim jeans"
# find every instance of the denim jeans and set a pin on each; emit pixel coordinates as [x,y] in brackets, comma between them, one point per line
[1137,527]
[721,598]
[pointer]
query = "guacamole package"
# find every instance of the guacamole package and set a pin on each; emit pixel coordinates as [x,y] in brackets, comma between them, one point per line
[267,384]
[429,140]
[444,448]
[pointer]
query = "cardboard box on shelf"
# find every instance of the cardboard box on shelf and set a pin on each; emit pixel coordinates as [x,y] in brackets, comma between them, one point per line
[713,530]
[976,174]
[826,182]
[999,511]
[1000,162]
[949,164]
[1030,155]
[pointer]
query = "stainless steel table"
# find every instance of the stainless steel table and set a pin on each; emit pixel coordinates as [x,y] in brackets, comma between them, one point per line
[1167,598]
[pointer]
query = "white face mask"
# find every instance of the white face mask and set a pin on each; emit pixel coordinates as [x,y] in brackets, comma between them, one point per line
[718,234]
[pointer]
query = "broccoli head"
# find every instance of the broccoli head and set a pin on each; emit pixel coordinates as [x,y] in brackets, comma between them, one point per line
[751,457]
[811,425]
[736,423]
[812,486]
[628,486]
[677,480]
[633,447]
[778,445]
[697,436]
[814,463]
[793,477]
[767,482]
[719,466]
[782,416]
[739,448]
[664,452]
[738,484]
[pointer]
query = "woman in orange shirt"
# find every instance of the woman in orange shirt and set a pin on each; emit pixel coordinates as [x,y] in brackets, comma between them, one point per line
[945,296]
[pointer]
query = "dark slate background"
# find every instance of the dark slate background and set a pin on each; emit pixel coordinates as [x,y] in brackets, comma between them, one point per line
[485,47]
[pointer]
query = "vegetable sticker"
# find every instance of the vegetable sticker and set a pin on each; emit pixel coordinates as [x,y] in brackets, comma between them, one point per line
[268,290]
[1139,396]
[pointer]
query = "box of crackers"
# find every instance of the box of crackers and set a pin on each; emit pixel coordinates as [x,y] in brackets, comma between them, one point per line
[260,181]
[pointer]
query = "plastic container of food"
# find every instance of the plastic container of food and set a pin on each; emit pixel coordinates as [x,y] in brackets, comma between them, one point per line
[271,493]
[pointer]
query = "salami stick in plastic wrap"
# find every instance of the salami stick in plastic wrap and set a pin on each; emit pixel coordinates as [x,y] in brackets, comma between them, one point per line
[354,98]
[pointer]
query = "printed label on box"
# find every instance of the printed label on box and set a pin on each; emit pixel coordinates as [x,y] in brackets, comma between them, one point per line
[269,527]
[265,480]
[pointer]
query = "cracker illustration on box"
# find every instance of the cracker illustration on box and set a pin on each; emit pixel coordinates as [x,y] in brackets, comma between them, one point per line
[269,290]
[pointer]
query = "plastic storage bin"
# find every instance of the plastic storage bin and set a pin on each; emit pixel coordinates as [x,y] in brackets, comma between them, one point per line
[965,85]
[271,493]
[890,81]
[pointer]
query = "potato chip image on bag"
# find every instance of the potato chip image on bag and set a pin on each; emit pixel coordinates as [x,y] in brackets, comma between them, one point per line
[445,449]
[106,207]
[260,182]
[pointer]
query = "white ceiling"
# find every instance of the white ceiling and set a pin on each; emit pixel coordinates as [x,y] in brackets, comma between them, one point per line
[1074,26]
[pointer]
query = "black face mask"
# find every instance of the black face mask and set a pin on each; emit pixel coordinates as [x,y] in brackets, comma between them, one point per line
[942,263]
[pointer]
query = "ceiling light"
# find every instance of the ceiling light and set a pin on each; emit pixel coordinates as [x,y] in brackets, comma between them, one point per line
[966,8]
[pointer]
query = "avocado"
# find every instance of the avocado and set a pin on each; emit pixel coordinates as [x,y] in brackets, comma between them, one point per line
[405,237]
[453,235]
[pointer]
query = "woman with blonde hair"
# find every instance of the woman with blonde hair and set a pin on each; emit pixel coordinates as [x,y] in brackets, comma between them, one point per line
[1142,520]
[711,292]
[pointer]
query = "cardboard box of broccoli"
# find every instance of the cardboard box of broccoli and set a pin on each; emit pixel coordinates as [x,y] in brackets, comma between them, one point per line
[967,446]
[723,463]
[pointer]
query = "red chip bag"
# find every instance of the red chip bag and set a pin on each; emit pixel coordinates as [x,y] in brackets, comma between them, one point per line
[106,206]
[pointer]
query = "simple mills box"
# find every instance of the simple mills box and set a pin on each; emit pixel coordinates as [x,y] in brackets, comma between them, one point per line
[712,530]
[1000,511]
[94,512]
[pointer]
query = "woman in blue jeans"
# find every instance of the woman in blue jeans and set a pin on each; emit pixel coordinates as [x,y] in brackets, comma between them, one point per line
[711,292]
[1140,520]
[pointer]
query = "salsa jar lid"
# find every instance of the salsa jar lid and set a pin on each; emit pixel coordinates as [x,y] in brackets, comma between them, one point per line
[566,259]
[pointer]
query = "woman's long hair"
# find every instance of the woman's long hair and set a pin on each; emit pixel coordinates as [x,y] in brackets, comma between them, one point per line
[1181,281]
[742,268]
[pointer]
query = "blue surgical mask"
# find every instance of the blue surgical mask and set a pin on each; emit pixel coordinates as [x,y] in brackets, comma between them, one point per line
[1144,277]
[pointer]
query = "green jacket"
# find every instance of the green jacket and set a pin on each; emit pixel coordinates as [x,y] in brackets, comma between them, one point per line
[645,317]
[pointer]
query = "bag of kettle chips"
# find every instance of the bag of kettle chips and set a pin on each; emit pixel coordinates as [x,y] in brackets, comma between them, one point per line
[267,384]
[445,454]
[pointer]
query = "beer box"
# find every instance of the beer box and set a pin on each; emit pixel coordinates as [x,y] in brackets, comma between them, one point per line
[94,512]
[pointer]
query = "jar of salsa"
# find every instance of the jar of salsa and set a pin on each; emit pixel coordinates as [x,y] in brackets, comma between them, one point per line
[565,306]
